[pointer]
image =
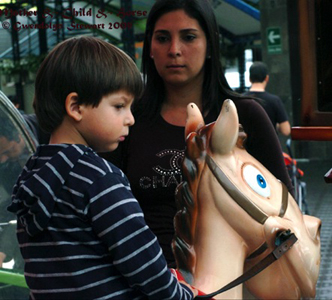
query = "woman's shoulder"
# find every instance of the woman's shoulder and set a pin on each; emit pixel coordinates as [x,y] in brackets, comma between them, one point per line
[245,103]
[249,107]
[253,117]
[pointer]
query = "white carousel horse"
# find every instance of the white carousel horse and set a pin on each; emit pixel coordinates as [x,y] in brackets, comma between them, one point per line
[231,206]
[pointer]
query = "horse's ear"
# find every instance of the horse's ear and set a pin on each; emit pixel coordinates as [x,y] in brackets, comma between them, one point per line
[226,129]
[194,119]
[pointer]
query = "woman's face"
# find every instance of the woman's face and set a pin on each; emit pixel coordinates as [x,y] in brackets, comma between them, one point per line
[179,49]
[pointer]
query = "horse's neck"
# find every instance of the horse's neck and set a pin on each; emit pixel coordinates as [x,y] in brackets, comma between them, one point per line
[220,250]
[220,256]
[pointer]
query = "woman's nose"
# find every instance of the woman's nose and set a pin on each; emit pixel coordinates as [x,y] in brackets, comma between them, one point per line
[175,48]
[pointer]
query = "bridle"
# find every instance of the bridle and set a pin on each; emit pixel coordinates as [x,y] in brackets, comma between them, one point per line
[242,200]
[284,240]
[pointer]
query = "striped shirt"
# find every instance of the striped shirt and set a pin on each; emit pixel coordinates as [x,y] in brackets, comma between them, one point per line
[82,233]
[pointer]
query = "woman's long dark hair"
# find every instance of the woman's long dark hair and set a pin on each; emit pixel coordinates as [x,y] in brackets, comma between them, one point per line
[215,86]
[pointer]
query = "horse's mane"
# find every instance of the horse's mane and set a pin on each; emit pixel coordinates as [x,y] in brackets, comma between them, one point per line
[186,201]
[187,198]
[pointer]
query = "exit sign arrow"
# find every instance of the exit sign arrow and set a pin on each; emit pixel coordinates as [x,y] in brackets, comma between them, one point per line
[273,37]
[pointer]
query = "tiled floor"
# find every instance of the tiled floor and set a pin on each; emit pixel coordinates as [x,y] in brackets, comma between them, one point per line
[319,199]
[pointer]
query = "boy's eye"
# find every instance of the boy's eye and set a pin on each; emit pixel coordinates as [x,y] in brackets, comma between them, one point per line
[119,106]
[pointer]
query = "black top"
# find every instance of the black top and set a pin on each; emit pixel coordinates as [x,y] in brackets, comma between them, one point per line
[152,161]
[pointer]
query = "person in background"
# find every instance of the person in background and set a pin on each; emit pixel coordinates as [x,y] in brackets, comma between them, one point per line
[82,233]
[31,119]
[41,136]
[17,103]
[13,155]
[272,104]
[181,64]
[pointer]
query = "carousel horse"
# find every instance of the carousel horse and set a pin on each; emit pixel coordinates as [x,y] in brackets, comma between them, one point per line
[231,211]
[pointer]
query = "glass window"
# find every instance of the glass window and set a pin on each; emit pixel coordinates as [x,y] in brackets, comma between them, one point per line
[16,146]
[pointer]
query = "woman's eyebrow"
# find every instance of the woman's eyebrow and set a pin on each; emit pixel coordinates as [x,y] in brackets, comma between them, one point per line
[188,30]
[182,30]
[164,31]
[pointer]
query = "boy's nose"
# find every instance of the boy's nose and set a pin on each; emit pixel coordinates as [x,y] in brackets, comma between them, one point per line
[130,120]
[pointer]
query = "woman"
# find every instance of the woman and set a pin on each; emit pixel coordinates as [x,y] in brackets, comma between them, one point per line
[181,64]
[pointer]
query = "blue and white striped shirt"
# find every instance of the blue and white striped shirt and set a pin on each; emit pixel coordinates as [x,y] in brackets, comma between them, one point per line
[82,233]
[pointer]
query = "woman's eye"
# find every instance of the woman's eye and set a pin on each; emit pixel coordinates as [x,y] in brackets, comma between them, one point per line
[162,38]
[256,181]
[189,37]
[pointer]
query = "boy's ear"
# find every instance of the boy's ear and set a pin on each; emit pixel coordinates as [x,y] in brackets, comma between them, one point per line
[72,107]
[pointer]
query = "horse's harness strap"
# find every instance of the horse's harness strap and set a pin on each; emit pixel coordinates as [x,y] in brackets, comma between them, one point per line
[254,211]
[289,240]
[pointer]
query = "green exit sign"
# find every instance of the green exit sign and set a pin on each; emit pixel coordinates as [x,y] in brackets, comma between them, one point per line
[273,35]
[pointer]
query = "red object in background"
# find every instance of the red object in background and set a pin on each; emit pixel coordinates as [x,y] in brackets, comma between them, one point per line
[291,161]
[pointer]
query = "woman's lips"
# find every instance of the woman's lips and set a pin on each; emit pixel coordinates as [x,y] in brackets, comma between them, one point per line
[175,66]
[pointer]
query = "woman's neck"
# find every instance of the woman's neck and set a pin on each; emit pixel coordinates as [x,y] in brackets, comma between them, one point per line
[174,108]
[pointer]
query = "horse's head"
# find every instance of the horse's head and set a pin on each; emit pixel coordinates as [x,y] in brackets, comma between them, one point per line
[229,203]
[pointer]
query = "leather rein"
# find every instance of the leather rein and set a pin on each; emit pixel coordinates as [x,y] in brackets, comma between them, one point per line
[284,240]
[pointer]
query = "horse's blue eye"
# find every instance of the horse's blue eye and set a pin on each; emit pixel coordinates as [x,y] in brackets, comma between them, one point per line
[261,181]
[256,181]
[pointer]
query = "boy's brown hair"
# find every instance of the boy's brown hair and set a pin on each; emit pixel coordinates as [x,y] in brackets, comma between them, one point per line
[89,66]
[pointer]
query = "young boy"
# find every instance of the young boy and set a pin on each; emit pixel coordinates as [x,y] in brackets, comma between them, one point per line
[81,232]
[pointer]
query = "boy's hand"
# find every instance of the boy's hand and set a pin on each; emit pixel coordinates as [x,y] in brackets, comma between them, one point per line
[195,291]
[180,278]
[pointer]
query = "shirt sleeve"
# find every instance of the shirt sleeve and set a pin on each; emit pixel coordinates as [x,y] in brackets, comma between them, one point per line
[119,222]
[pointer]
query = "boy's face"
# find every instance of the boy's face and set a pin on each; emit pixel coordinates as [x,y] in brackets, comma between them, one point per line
[103,127]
